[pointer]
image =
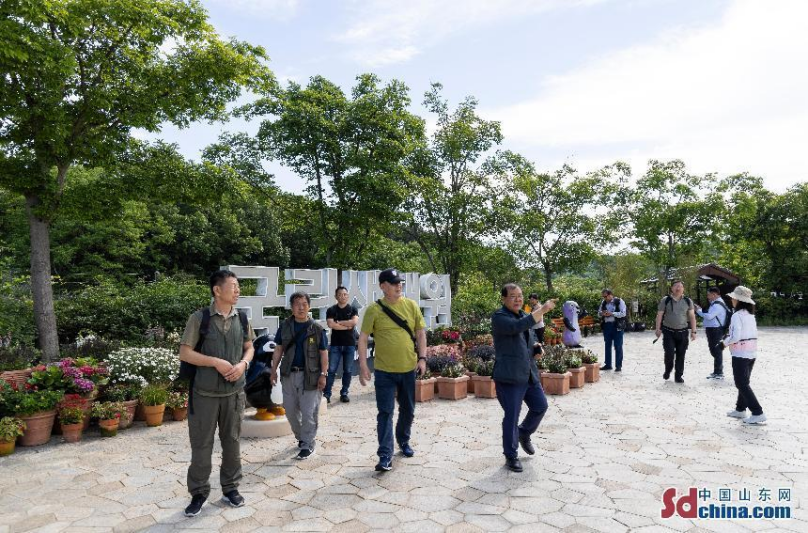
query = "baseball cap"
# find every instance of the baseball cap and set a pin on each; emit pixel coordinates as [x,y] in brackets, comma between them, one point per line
[390,276]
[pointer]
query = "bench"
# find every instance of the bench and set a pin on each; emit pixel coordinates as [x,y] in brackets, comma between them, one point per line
[588,325]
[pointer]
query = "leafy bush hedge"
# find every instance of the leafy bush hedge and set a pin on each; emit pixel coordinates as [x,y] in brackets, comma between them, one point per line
[124,313]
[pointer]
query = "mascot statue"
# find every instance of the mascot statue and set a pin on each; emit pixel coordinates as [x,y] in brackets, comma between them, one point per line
[572,333]
[259,385]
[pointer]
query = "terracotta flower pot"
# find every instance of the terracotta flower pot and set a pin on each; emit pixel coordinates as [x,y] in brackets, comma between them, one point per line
[557,384]
[453,388]
[592,372]
[179,413]
[39,427]
[16,377]
[6,447]
[154,414]
[577,377]
[72,432]
[84,403]
[484,387]
[470,382]
[109,427]
[425,389]
[131,408]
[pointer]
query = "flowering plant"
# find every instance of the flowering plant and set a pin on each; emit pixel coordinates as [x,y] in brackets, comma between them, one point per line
[11,428]
[448,350]
[71,415]
[453,370]
[109,410]
[443,335]
[589,358]
[70,375]
[121,392]
[29,402]
[142,366]
[177,400]
[485,339]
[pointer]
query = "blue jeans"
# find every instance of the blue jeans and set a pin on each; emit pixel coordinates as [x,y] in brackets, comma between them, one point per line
[510,397]
[346,355]
[390,385]
[612,336]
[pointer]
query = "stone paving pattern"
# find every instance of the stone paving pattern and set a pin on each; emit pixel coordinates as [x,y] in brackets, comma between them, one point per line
[605,454]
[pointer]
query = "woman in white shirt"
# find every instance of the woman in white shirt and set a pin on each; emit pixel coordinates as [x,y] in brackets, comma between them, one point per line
[742,343]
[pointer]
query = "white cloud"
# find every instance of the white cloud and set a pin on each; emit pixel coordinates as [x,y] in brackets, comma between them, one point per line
[266,9]
[727,98]
[385,32]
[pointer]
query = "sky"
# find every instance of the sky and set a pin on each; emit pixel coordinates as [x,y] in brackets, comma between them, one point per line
[719,84]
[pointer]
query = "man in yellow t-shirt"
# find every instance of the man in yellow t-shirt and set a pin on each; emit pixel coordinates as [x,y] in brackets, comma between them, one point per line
[399,355]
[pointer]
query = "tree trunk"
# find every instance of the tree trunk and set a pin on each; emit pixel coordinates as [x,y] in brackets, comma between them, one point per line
[44,314]
[548,278]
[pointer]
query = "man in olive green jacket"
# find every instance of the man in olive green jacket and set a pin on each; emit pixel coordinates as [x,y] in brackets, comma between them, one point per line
[218,391]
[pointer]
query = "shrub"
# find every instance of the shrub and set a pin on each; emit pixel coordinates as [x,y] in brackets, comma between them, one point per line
[17,357]
[142,366]
[124,312]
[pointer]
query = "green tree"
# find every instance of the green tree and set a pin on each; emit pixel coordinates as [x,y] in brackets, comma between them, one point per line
[78,75]
[350,150]
[453,209]
[673,214]
[559,221]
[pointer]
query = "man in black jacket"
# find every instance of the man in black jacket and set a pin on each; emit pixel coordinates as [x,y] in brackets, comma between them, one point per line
[515,372]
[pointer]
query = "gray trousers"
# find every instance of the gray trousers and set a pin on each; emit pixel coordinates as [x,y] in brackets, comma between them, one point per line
[209,412]
[302,408]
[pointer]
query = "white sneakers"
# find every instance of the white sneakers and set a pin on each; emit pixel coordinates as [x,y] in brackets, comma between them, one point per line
[755,419]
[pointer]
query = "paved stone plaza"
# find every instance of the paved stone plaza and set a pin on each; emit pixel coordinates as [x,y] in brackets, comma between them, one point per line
[605,455]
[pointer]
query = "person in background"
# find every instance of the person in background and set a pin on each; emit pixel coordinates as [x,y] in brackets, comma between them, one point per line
[715,322]
[742,343]
[342,318]
[674,314]
[612,313]
[301,351]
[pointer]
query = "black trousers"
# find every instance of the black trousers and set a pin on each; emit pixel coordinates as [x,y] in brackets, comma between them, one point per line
[714,336]
[675,344]
[742,371]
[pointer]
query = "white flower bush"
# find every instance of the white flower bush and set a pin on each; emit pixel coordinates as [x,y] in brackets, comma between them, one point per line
[142,366]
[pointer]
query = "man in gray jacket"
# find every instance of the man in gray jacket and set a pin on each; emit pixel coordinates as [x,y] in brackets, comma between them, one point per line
[516,375]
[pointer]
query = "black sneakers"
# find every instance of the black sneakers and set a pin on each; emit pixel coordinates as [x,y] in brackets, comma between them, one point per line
[344,398]
[233,498]
[195,507]
[514,464]
[679,379]
[305,453]
[385,464]
[666,375]
[407,450]
[606,367]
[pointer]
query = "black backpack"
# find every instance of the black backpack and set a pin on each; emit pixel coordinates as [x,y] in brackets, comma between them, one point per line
[669,299]
[725,325]
[188,370]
